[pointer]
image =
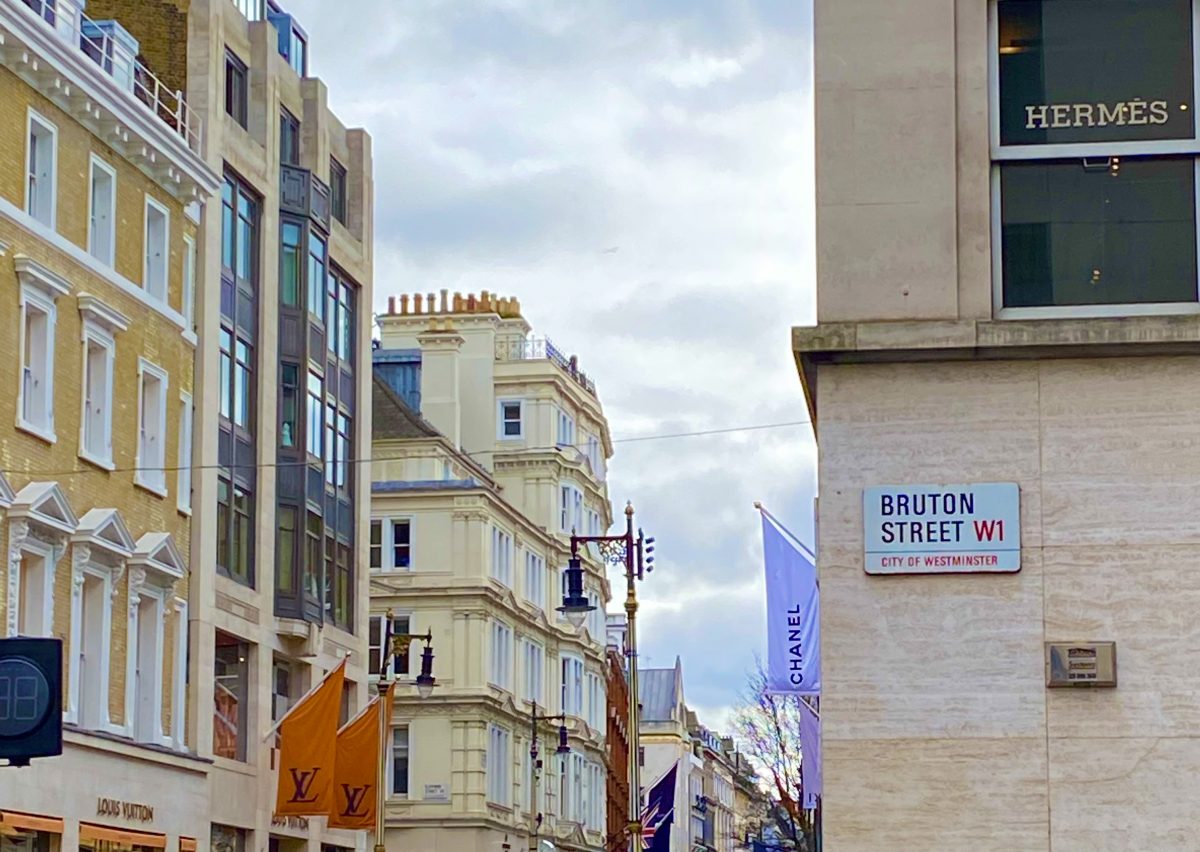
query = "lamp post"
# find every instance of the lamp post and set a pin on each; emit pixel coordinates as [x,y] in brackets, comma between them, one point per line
[400,643]
[635,554]
[535,765]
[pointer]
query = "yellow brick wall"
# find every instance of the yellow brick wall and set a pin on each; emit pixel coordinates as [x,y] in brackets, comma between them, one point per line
[160,26]
[25,458]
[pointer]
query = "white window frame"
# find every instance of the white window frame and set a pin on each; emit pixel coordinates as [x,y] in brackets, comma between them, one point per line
[156,289]
[137,726]
[179,687]
[32,296]
[566,430]
[388,557]
[1001,154]
[391,775]
[189,283]
[535,579]
[49,555]
[104,250]
[502,555]
[94,334]
[533,675]
[499,766]
[500,672]
[501,435]
[34,117]
[380,617]
[572,695]
[183,475]
[570,507]
[156,482]
[78,700]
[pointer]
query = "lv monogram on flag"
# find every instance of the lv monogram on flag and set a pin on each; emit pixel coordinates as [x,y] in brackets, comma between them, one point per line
[307,750]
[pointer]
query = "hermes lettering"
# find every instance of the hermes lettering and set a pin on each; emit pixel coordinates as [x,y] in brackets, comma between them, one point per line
[134,811]
[1133,113]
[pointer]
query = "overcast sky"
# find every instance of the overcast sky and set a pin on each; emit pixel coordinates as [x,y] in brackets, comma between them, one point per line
[639,174]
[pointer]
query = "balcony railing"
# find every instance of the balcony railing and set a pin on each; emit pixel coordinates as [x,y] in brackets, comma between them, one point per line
[543,349]
[108,45]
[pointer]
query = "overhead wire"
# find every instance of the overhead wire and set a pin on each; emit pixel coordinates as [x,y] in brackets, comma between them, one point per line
[369,459]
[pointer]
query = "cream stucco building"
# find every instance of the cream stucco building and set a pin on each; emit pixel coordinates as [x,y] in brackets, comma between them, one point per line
[490,449]
[247,304]
[101,178]
[1007,293]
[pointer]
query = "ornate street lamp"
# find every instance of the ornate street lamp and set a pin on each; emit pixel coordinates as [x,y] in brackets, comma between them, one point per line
[399,645]
[636,555]
[535,764]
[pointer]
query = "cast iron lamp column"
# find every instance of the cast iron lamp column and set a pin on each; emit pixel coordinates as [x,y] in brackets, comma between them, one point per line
[535,765]
[635,554]
[425,683]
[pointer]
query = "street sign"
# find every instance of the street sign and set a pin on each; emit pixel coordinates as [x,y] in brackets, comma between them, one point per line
[30,699]
[942,529]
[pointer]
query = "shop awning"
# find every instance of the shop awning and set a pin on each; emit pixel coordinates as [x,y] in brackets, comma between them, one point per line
[31,822]
[88,831]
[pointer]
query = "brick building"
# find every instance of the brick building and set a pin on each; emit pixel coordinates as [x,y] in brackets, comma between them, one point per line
[617,741]
[101,181]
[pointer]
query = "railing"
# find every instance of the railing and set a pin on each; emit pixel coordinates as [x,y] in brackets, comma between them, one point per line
[543,349]
[111,48]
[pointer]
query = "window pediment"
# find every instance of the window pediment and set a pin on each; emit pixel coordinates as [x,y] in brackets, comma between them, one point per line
[33,274]
[157,555]
[94,310]
[104,528]
[44,504]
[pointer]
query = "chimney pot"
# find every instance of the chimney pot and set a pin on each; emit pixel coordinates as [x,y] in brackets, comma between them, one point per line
[417,304]
[458,303]
[445,301]
[470,303]
[391,305]
[404,304]
[432,304]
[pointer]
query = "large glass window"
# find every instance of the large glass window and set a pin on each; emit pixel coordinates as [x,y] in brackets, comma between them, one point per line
[1095,148]
[316,276]
[231,697]
[1117,230]
[289,139]
[314,414]
[289,396]
[289,283]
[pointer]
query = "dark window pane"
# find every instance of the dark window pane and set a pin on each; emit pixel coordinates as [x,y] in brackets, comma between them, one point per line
[245,237]
[376,544]
[1108,231]
[312,562]
[1096,71]
[337,190]
[227,225]
[289,139]
[316,277]
[289,285]
[223,524]
[235,88]
[226,378]
[285,559]
[289,398]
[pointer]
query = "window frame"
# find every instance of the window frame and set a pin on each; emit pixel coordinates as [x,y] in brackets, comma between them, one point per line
[503,549]
[501,656]
[183,473]
[242,106]
[188,306]
[44,304]
[338,191]
[146,729]
[159,290]
[502,421]
[499,767]
[289,121]
[94,334]
[96,164]
[89,708]
[34,117]
[408,762]
[159,487]
[1004,154]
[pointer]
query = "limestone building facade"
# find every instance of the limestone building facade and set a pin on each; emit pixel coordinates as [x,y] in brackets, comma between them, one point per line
[490,449]
[1007,294]
[269,288]
[101,180]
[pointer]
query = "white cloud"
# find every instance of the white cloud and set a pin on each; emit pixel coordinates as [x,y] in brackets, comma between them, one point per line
[515,141]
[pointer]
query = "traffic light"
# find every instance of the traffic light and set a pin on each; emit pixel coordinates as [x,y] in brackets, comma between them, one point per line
[30,699]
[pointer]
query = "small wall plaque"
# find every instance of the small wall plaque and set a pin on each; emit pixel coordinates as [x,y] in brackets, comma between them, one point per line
[1089,664]
[437,793]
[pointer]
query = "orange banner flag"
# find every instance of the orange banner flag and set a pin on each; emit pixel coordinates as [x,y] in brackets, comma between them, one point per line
[356,793]
[307,750]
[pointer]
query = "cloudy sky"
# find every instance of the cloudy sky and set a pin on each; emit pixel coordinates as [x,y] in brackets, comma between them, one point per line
[639,174]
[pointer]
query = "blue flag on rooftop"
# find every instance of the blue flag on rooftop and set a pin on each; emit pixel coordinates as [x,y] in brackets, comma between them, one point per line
[659,813]
[793,612]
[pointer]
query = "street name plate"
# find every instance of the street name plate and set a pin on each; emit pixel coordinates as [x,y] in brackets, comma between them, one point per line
[942,529]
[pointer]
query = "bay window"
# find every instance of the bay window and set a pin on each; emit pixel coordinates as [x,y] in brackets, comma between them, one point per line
[1094,150]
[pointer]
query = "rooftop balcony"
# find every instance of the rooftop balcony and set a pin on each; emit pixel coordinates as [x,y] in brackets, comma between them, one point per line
[543,349]
[91,69]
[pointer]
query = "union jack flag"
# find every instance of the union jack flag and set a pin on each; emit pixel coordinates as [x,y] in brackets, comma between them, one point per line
[659,813]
